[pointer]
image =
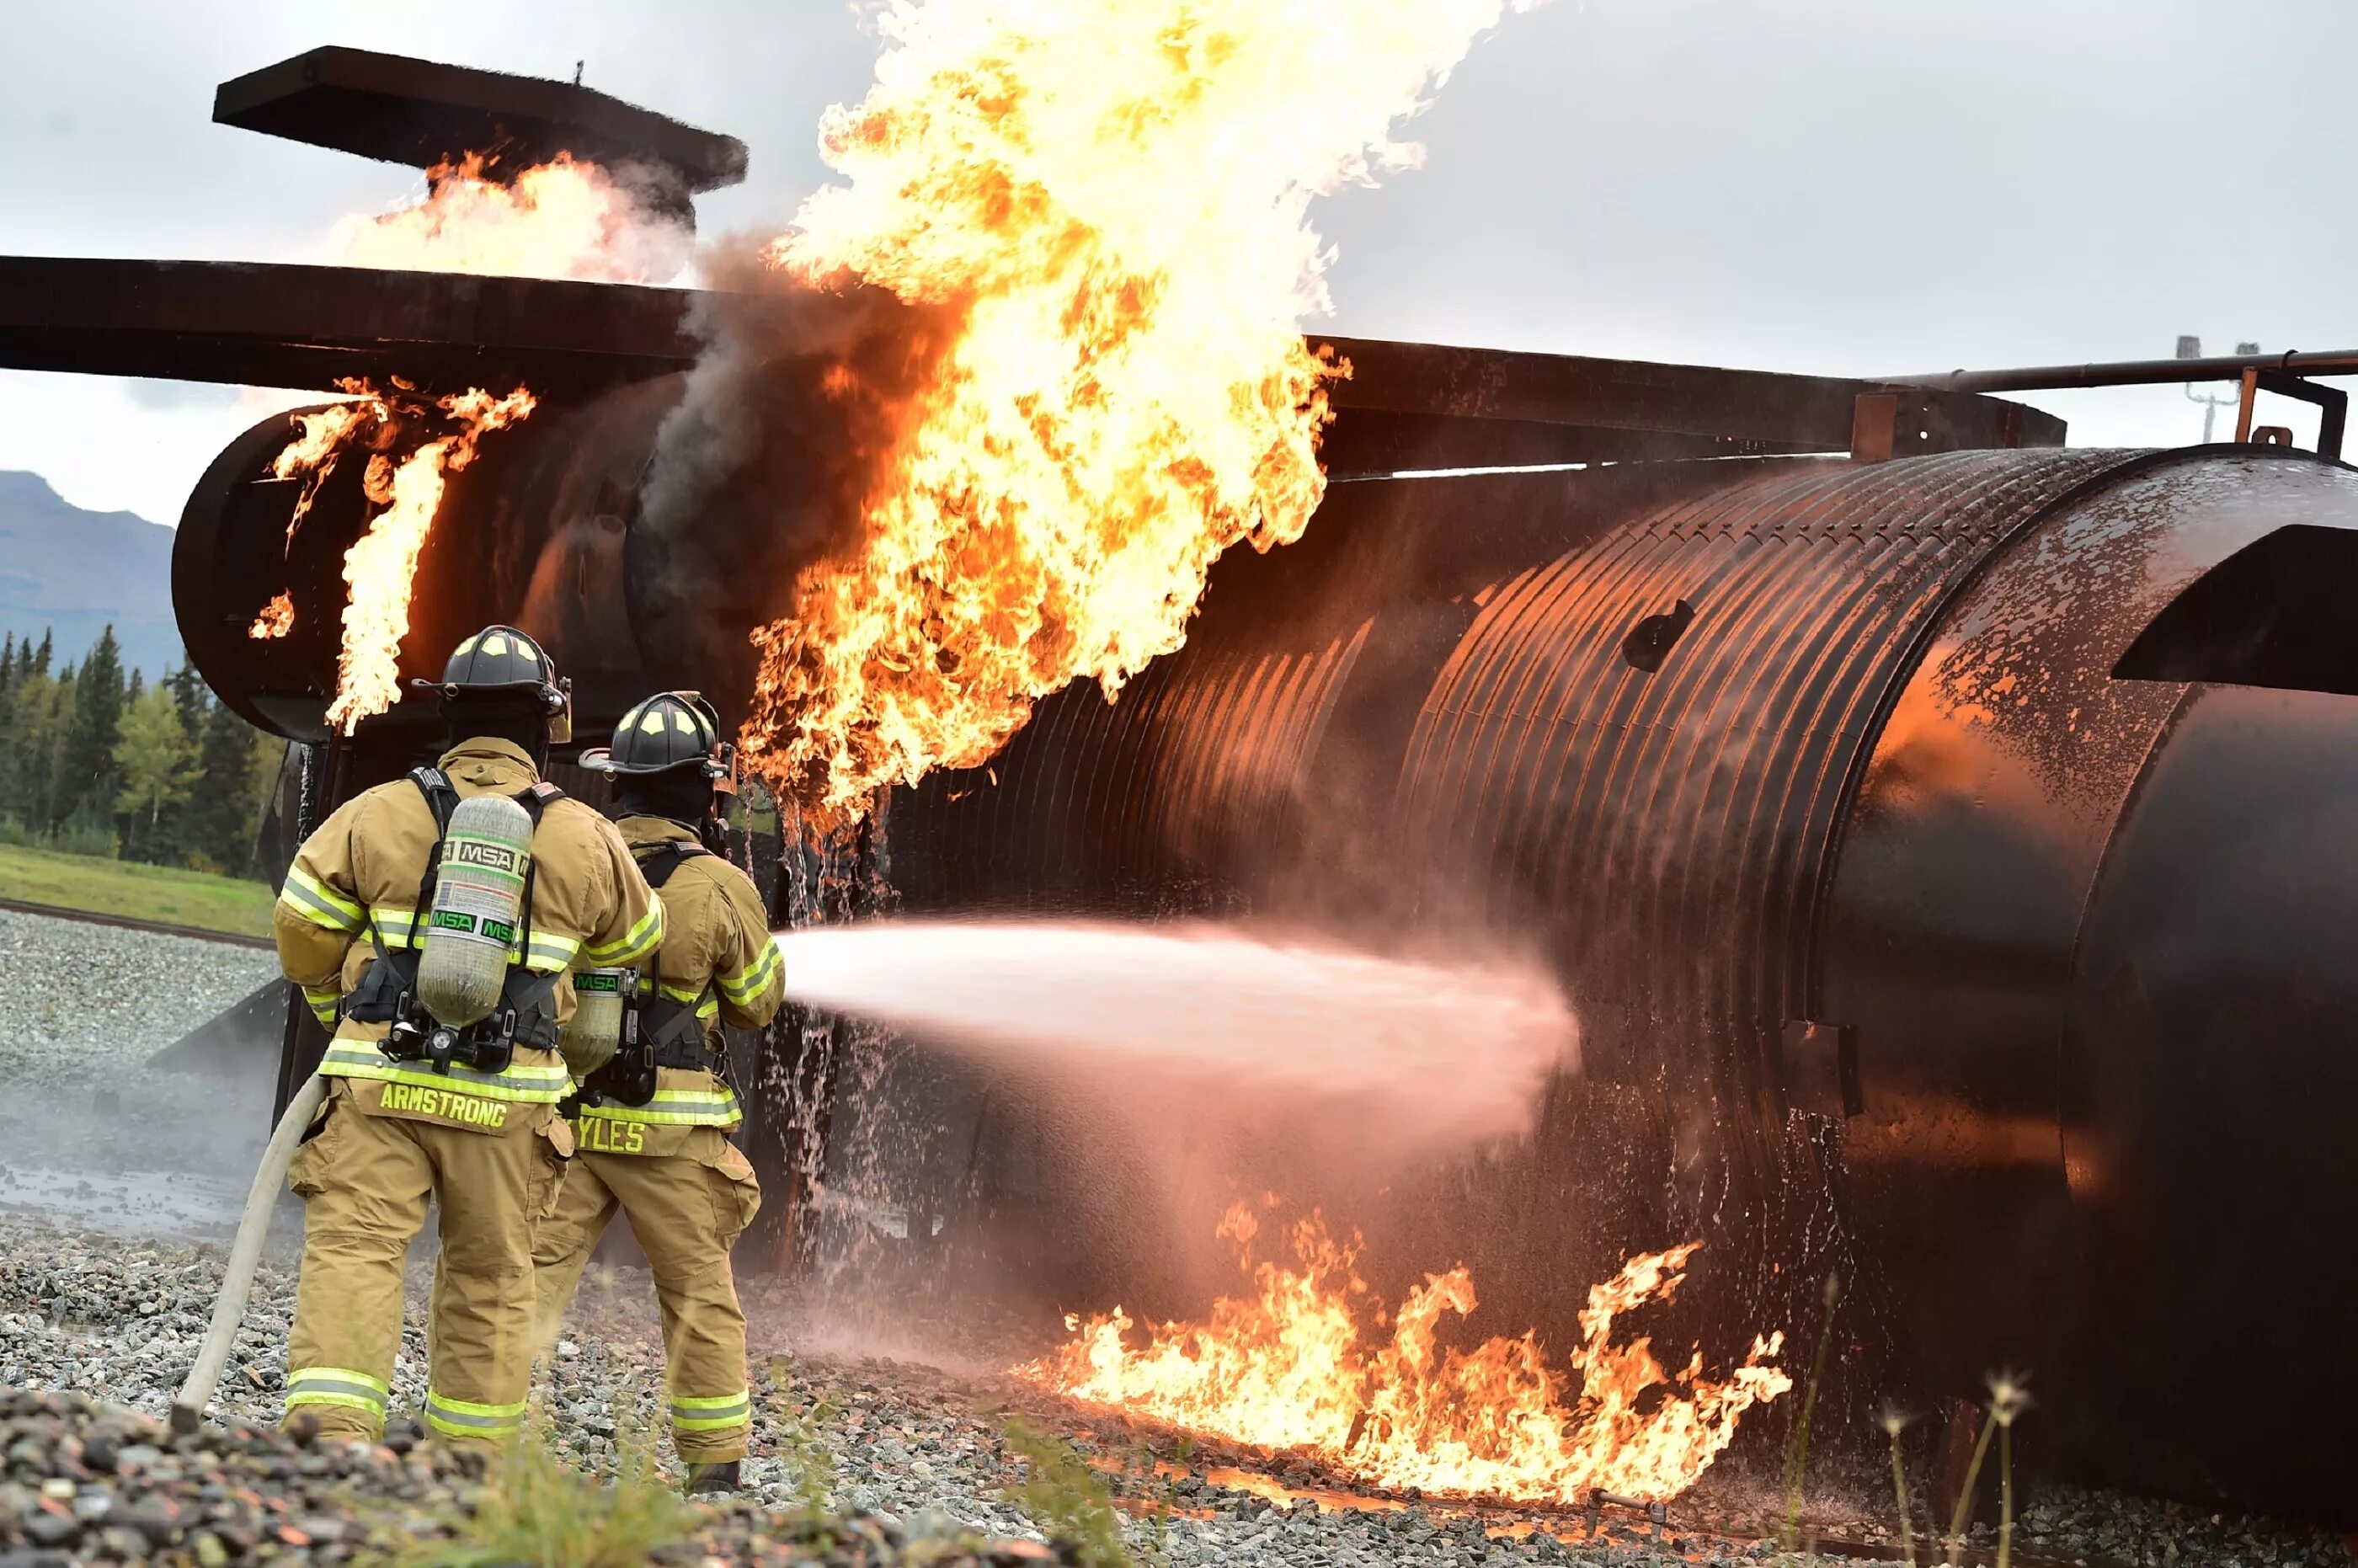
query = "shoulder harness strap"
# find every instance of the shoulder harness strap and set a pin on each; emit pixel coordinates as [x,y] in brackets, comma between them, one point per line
[441,800]
[534,799]
[658,862]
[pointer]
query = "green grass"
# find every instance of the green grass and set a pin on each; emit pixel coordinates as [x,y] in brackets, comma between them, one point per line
[140,892]
[535,1510]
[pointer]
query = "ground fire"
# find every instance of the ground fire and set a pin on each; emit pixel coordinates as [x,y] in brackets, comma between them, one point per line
[1310,1362]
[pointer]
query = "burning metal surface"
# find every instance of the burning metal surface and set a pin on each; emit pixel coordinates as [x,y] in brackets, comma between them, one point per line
[403,483]
[567,218]
[277,618]
[1294,1365]
[1115,201]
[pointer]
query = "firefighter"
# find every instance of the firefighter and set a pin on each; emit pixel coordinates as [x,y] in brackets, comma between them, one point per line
[417,1112]
[652,1126]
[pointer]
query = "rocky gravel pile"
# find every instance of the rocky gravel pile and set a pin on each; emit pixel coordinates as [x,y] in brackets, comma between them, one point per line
[84,1004]
[89,1482]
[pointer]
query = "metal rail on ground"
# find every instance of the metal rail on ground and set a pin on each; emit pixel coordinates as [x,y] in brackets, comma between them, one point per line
[160,927]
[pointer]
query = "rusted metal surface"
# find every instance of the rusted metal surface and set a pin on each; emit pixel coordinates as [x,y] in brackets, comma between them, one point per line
[2046,957]
[420,113]
[2332,406]
[1610,409]
[1673,826]
[1407,406]
[251,324]
[2092,973]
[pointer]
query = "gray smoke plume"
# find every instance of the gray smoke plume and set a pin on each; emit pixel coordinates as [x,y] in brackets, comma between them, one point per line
[788,425]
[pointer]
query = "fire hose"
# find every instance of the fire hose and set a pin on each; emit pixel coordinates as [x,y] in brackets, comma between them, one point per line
[244,1253]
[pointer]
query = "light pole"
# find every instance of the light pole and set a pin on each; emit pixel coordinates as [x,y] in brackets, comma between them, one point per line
[2191,348]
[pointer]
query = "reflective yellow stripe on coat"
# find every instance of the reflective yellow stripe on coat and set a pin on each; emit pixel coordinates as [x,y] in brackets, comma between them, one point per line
[523,1082]
[750,982]
[716,1106]
[637,943]
[548,952]
[318,903]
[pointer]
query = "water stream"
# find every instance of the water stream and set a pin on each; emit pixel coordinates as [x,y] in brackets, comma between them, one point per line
[1438,1052]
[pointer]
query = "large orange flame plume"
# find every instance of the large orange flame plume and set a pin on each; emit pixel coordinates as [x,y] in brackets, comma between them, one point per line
[565,218]
[1115,199]
[1292,1367]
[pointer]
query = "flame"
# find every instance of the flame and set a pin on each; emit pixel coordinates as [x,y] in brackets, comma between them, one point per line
[407,487]
[1291,1367]
[1114,197]
[565,219]
[277,618]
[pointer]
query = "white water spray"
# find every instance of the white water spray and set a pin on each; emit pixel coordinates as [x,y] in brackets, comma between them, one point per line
[1431,1054]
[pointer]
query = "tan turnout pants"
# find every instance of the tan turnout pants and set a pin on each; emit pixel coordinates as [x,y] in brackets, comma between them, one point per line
[686,1209]
[366,1181]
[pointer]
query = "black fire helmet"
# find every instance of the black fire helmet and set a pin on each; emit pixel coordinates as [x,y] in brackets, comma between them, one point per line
[670,729]
[502,661]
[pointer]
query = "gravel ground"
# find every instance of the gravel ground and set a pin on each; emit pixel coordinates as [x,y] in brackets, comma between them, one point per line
[104,1289]
[86,1134]
[916,1453]
[80,1003]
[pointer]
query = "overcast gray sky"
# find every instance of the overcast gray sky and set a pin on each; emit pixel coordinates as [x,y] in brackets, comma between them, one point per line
[1843,186]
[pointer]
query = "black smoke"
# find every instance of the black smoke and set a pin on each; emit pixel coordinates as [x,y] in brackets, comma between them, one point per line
[789,422]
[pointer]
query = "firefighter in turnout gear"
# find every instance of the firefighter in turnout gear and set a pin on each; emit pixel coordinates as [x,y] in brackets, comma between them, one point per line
[422,1108]
[652,1126]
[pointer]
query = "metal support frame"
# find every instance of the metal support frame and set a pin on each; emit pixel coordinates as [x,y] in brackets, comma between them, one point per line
[2333,403]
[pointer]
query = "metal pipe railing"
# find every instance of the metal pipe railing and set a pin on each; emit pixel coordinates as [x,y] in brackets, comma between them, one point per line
[2136,373]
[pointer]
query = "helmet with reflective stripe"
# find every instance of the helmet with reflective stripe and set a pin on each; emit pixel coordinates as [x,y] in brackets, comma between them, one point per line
[502,661]
[670,729]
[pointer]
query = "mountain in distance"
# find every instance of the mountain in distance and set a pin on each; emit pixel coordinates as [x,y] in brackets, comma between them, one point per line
[73,571]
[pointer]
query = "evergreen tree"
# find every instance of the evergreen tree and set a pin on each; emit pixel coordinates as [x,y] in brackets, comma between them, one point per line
[222,808]
[176,838]
[41,707]
[156,764]
[87,782]
[190,694]
[9,811]
[41,665]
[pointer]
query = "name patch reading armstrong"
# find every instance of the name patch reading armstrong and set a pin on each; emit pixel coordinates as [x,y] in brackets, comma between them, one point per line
[466,1109]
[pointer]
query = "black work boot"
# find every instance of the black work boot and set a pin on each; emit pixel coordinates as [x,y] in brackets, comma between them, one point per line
[712,1477]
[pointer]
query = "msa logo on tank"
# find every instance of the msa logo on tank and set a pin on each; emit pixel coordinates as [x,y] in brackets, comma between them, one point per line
[595,1031]
[484,852]
[478,905]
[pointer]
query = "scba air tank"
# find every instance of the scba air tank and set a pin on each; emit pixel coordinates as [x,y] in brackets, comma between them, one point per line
[595,1031]
[478,905]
